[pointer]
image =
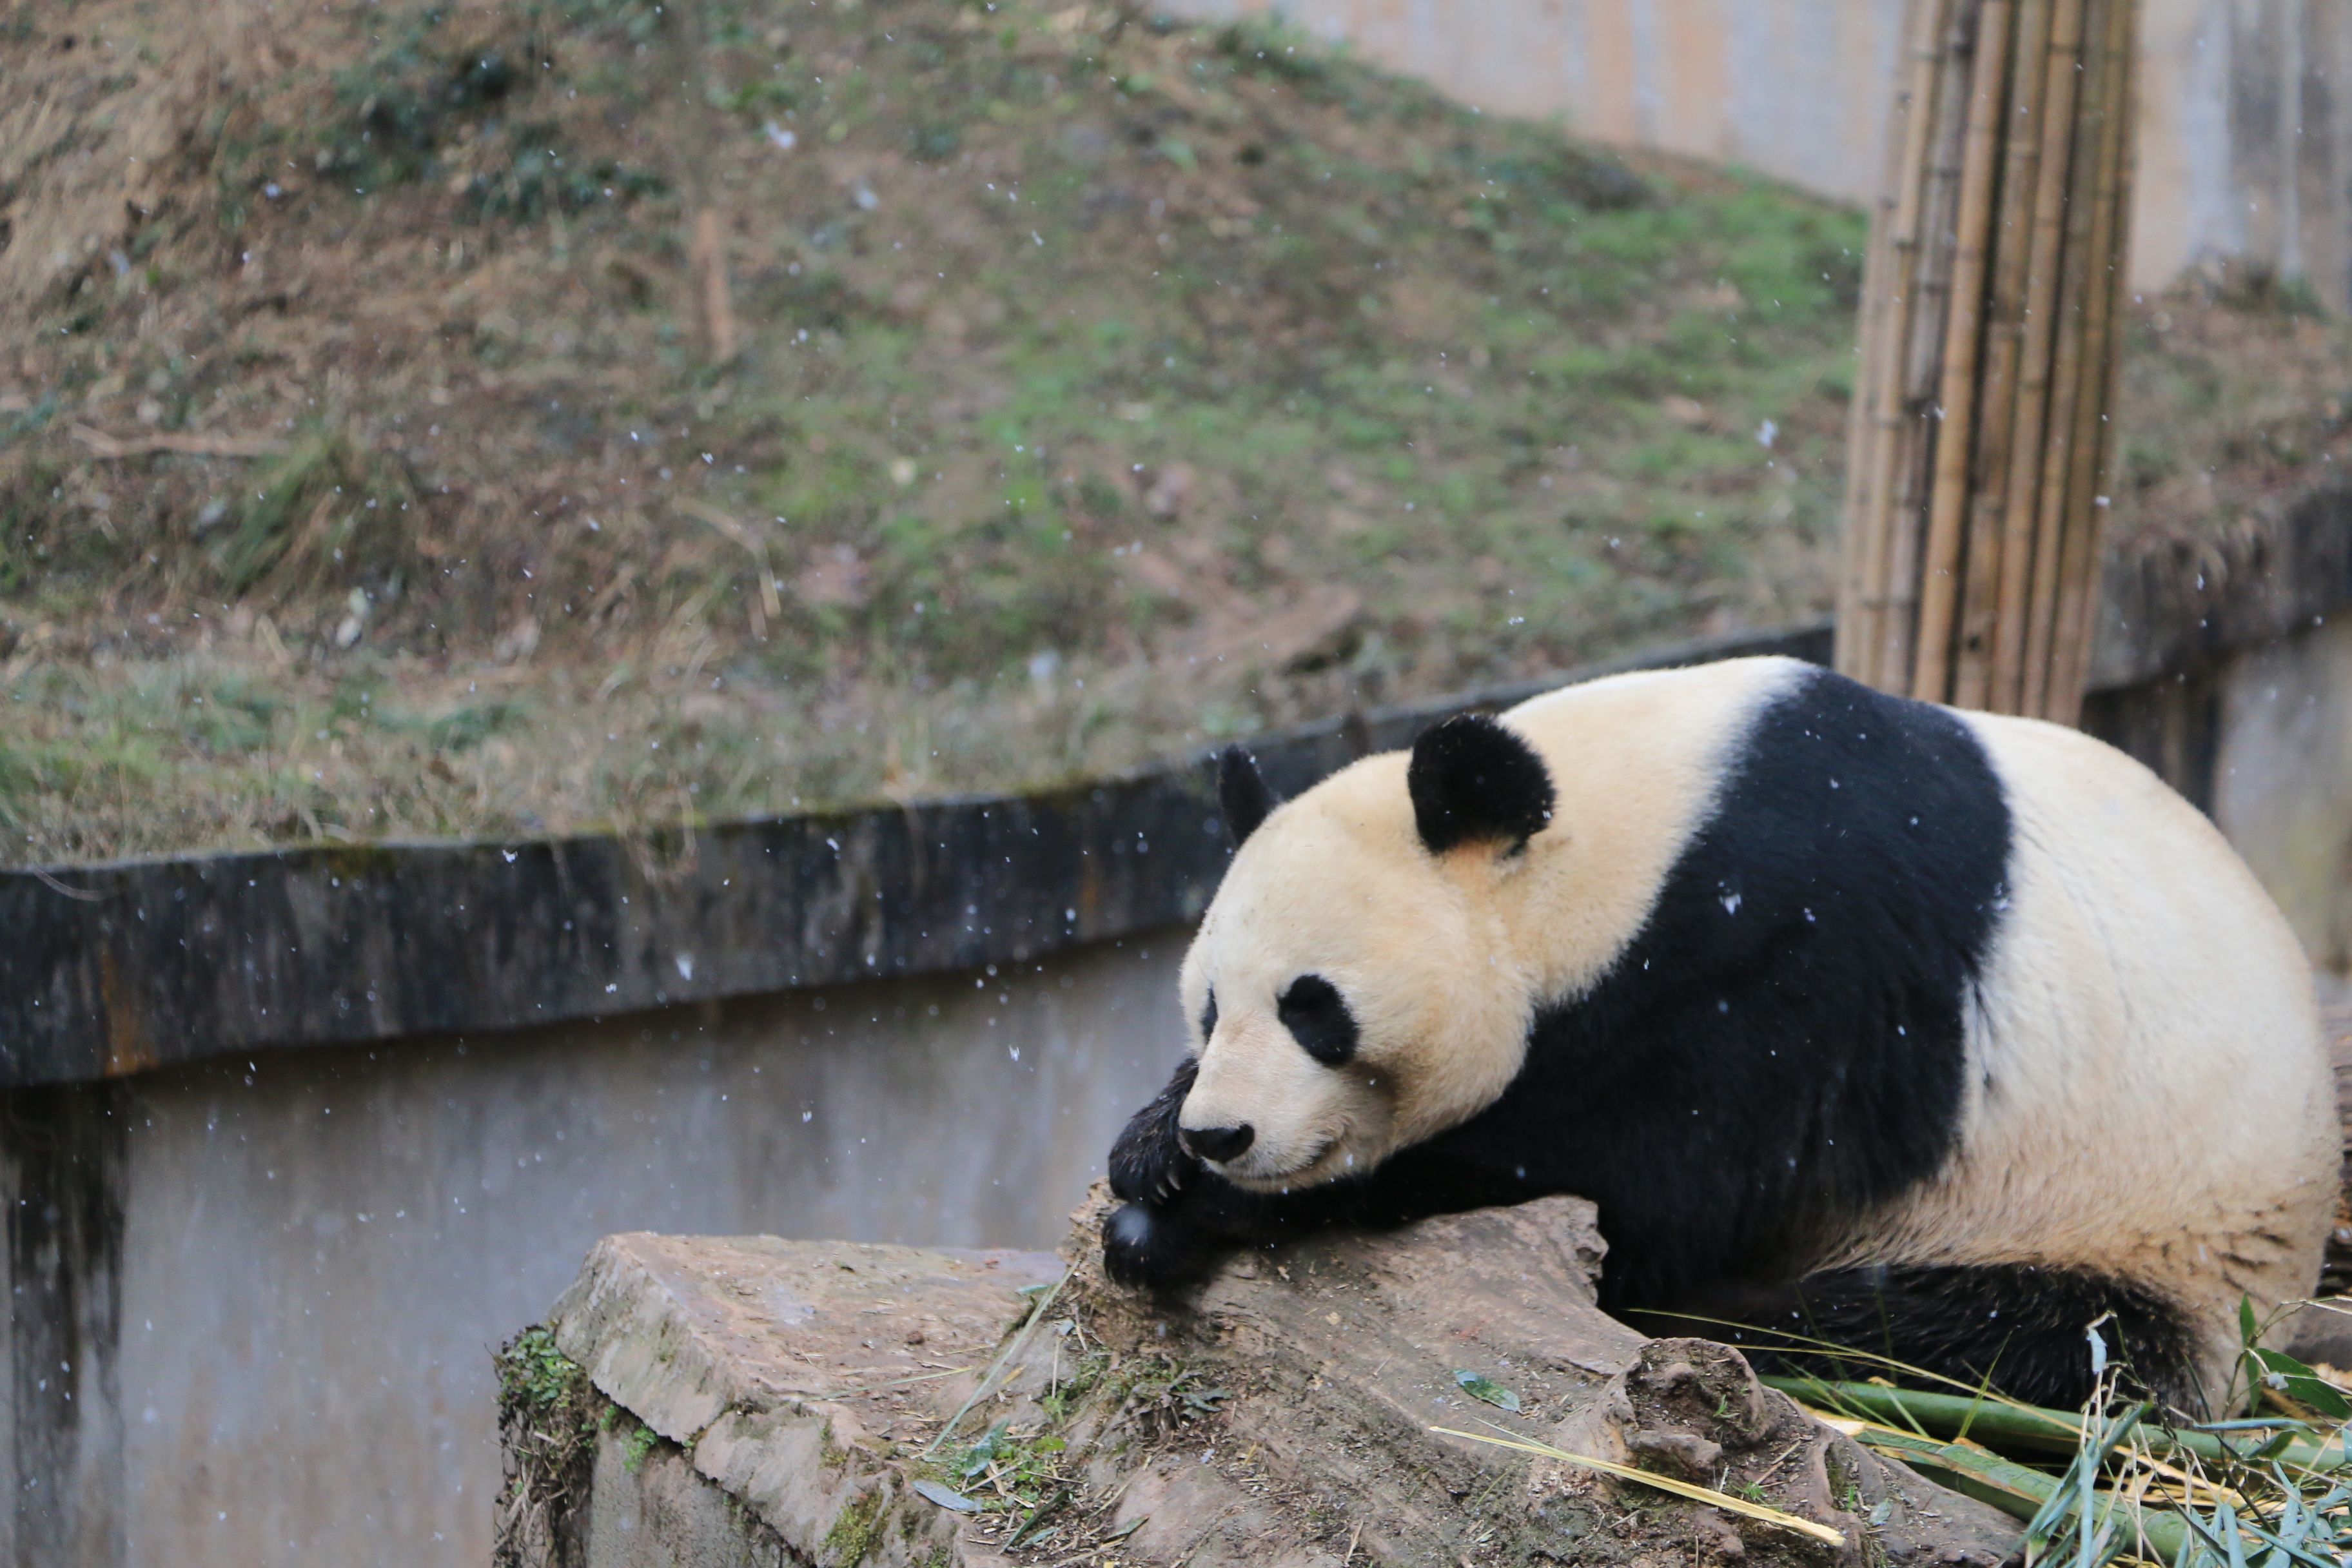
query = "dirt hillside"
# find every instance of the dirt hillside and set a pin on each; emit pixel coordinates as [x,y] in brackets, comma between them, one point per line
[497,416]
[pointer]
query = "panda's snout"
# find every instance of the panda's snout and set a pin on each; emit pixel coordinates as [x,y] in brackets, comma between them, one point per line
[1219,1143]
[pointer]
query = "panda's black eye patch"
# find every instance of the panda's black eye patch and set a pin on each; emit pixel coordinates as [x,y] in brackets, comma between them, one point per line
[1209,1016]
[1317,1015]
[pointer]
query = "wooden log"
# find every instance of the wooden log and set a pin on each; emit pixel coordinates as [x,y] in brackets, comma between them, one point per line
[827,1402]
[2336,1273]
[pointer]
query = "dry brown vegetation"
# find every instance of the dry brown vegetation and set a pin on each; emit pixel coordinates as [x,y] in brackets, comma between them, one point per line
[1098,388]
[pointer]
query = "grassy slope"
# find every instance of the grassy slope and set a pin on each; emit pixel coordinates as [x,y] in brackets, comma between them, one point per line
[1104,388]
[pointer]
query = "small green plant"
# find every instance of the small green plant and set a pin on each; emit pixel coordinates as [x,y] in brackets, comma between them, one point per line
[854,1529]
[549,1417]
[636,1446]
[326,509]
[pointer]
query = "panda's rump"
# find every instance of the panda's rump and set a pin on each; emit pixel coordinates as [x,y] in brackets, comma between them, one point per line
[2148,1097]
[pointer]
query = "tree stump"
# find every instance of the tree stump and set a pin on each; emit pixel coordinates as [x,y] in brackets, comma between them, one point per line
[764,1401]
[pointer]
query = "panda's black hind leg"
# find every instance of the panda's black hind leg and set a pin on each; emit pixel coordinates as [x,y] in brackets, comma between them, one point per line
[2023,1327]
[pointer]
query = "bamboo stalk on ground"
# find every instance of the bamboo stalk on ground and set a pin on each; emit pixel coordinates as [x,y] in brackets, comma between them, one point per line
[707,241]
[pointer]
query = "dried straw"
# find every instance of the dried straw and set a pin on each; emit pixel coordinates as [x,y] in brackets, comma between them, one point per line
[1681,1488]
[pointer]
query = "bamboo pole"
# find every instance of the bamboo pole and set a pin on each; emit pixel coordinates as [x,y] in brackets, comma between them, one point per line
[1963,335]
[706,238]
[2094,444]
[1915,435]
[2004,351]
[2070,380]
[2020,514]
[1888,302]
[1981,433]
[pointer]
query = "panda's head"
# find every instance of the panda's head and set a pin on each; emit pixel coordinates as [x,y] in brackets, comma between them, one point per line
[1352,987]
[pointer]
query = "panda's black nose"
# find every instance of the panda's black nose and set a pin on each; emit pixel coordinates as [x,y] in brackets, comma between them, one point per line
[1218,1142]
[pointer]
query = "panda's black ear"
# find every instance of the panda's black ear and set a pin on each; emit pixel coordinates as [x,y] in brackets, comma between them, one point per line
[1241,794]
[1472,781]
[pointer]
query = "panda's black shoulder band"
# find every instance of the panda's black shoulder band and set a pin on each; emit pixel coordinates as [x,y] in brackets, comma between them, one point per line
[1243,794]
[1472,781]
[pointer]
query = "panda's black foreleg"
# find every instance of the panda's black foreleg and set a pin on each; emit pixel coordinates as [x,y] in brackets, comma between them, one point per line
[1148,1162]
[1181,1242]
[1179,1217]
[2025,1328]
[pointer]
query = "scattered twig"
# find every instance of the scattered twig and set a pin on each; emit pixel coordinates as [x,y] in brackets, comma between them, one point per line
[1012,1350]
[102,445]
[81,895]
[1759,1512]
[772,603]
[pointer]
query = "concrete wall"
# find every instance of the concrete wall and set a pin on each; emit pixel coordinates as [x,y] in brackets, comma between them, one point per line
[2245,138]
[2283,785]
[318,1249]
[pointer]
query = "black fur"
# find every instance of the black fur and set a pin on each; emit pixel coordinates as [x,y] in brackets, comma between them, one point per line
[1472,781]
[1243,794]
[1778,1050]
[2022,1327]
[1148,1163]
[1317,1015]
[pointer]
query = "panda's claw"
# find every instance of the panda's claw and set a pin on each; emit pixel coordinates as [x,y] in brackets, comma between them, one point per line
[1148,1163]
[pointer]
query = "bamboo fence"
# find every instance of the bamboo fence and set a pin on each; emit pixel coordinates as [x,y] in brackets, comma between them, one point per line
[1992,309]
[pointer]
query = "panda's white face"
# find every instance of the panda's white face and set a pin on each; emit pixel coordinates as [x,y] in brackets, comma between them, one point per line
[1351,993]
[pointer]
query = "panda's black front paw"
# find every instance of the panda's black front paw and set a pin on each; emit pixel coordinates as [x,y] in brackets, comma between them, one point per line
[1147,1167]
[1148,1163]
[1146,1249]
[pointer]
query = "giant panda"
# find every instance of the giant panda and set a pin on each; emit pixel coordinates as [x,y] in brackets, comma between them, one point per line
[1935,1034]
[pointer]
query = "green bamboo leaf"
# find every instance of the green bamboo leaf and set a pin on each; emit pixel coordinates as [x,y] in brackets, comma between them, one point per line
[1488,1389]
[947,1497]
[2284,1374]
